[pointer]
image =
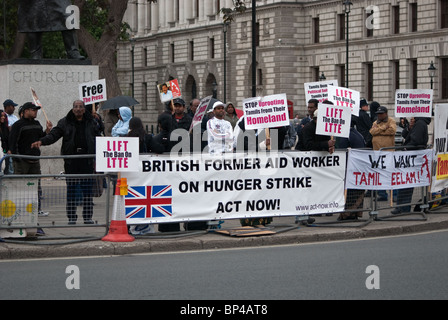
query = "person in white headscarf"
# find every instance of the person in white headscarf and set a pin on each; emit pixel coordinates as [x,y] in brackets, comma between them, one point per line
[121,128]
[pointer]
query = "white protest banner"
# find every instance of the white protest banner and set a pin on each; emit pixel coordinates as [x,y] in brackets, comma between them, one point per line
[203,187]
[117,154]
[385,170]
[266,112]
[440,175]
[318,90]
[93,92]
[345,97]
[413,103]
[200,111]
[333,120]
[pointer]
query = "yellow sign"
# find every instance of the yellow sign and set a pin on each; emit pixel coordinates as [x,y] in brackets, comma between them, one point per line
[442,167]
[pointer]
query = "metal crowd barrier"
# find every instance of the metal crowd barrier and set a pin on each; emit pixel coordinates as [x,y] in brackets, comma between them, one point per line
[31,204]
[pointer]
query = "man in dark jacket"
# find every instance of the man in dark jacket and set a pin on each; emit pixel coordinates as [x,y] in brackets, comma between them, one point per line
[23,133]
[78,132]
[363,123]
[415,138]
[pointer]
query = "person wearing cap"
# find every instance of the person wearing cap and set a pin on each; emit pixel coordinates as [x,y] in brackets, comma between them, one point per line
[383,130]
[181,120]
[24,132]
[219,131]
[9,107]
[78,131]
[363,123]
[383,135]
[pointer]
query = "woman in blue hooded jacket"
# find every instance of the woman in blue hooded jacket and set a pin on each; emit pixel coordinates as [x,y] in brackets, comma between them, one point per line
[121,128]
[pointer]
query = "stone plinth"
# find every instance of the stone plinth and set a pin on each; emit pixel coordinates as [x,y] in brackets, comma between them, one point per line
[56,83]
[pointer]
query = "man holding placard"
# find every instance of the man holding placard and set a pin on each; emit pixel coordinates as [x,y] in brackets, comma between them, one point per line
[78,132]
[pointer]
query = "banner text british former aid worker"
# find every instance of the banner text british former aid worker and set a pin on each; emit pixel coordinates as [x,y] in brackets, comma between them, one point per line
[242,185]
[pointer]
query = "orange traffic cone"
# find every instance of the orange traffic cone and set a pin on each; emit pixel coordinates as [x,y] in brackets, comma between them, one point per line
[118,230]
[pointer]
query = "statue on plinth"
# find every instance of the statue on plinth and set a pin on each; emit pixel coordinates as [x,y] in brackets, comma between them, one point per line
[38,16]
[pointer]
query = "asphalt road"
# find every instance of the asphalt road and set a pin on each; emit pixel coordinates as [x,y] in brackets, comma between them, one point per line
[405,267]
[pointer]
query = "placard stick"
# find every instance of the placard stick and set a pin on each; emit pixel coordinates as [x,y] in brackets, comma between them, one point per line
[268,136]
[37,102]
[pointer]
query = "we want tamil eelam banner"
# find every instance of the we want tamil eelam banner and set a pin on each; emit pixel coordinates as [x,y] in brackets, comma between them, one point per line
[203,187]
[386,170]
[440,163]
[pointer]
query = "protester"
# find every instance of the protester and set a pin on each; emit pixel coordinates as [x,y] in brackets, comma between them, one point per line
[313,141]
[110,120]
[363,123]
[9,107]
[415,138]
[231,115]
[219,131]
[121,128]
[181,120]
[24,132]
[96,117]
[312,106]
[78,131]
[147,143]
[4,134]
[355,197]
[383,135]
[193,107]
[373,108]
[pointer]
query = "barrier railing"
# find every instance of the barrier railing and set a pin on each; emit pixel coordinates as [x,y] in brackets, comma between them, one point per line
[61,206]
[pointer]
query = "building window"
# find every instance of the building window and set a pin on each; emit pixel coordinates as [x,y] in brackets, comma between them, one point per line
[413,72]
[395,19]
[369,29]
[413,17]
[443,14]
[369,81]
[257,34]
[444,74]
[396,74]
[341,75]
[172,52]
[316,30]
[191,50]
[145,57]
[341,21]
[315,74]
[259,77]
[145,96]
[212,48]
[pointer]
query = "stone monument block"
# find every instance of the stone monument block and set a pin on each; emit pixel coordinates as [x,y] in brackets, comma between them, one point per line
[56,83]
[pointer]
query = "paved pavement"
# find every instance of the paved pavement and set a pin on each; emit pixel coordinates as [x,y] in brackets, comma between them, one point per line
[80,241]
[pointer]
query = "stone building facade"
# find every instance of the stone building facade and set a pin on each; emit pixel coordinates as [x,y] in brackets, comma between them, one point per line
[391,45]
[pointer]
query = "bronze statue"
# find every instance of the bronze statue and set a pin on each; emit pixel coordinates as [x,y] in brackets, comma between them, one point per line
[38,16]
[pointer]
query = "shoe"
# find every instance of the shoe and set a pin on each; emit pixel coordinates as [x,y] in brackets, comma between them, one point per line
[347,218]
[89,221]
[40,232]
[396,211]
[43,214]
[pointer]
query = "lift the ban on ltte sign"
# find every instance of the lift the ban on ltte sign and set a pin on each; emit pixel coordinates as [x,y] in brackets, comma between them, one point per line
[117,154]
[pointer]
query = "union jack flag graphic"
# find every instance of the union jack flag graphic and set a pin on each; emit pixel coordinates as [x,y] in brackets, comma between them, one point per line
[149,202]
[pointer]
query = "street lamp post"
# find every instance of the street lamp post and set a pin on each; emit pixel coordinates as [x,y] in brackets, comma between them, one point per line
[254,50]
[322,77]
[347,7]
[432,73]
[224,30]
[132,40]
